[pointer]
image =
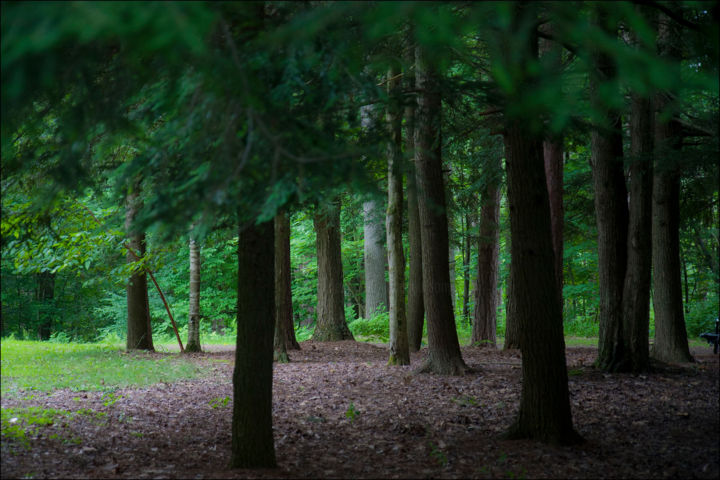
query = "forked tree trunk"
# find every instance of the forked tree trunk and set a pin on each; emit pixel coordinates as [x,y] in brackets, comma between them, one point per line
[139,331]
[284,329]
[444,350]
[486,295]
[331,324]
[252,436]
[612,219]
[416,307]
[399,350]
[193,342]
[671,344]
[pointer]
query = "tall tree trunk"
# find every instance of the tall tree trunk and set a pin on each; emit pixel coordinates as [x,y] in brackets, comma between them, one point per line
[544,403]
[467,251]
[486,294]
[252,436]
[612,220]
[284,328]
[399,349]
[331,324]
[139,331]
[193,342]
[636,291]
[512,329]
[416,306]
[444,350]
[376,298]
[671,343]
[44,295]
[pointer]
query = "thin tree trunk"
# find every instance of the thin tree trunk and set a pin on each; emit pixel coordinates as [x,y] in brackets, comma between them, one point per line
[139,331]
[486,297]
[671,343]
[193,342]
[467,245]
[284,328]
[331,324]
[399,349]
[416,306]
[444,350]
[252,436]
[44,294]
[612,220]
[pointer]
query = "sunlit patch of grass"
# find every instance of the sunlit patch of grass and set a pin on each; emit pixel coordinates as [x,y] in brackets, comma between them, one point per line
[22,424]
[45,366]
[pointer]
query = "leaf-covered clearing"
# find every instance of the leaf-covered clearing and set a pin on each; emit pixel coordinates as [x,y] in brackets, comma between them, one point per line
[339,411]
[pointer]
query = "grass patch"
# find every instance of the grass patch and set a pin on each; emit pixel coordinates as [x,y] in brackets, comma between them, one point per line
[44,366]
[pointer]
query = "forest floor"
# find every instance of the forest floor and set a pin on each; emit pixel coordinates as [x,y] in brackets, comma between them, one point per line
[340,412]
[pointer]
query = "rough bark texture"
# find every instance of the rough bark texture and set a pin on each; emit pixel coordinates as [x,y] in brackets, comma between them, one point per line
[486,293]
[415,303]
[399,350]
[193,342]
[444,350]
[331,325]
[284,328]
[636,291]
[467,245]
[44,294]
[512,330]
[139,331]
[671,343]
[375,254]
[252,435]
[544,403]
[611,216]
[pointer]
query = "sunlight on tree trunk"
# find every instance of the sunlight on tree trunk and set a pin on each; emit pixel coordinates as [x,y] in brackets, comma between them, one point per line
[193,342]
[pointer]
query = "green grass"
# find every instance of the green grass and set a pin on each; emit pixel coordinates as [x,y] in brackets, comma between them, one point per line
[45,366]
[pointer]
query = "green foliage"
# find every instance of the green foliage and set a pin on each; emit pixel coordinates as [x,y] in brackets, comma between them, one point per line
[351,413]
[80,367]
[219,402]
[375,329]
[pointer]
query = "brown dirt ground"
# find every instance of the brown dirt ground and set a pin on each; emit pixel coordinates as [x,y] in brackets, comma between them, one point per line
[664,424]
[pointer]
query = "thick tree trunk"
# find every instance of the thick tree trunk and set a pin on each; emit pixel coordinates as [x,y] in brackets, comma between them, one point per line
[284,329]
[139,331]
[193,342]
[416,306]
[444,350]
[636,291]
[331,325]
[544,403]
[252,436]
[486,294]
[376,297]
[671,343]
[44,295]
[612,221]
[512,329]
[399,349]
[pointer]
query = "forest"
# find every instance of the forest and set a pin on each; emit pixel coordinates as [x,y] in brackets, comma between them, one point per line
[360,239]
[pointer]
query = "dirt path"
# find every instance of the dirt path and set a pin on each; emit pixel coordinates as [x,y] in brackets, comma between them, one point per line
[340,412]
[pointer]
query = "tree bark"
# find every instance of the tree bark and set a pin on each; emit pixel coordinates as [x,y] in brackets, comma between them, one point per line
[284,328]
[544,403]
[193,342]
[486,296]
[139,331]
[252,436]
[512,329]
[444,350]
[416,306]
[331,324]
[612,219]
[636,291]
[671,343]
[44,294]
[399,349]
[376,295]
